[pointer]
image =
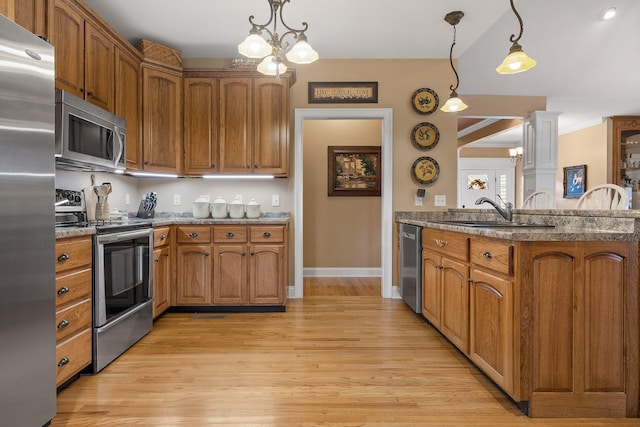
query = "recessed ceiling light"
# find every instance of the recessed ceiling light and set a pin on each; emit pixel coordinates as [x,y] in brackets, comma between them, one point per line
[608,13]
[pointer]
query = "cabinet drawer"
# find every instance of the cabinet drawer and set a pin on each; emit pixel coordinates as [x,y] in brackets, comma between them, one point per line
[447,242]
[72,320]
[230,233]
[194,234]
[72,288]
[267,234]
[73,355]
[161,236]
[496,255]
[73,253]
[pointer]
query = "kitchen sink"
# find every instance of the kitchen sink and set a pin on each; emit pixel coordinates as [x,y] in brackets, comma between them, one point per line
[491,224]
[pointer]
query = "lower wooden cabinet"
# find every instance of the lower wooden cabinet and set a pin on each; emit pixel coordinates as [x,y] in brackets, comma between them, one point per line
[162,270]
[73,307]
[231,265]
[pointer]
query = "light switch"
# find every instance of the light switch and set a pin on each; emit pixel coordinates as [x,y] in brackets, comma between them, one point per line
[176,200]
[275,200]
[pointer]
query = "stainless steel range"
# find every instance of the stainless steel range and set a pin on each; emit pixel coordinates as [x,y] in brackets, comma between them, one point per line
[122,278]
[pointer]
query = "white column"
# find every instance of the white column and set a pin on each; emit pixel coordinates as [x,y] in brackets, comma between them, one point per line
[540,156]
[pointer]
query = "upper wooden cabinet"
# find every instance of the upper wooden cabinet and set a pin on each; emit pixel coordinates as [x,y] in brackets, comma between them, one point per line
[30,14]
[84,55]
[236,122]
[128,104]
[626,150]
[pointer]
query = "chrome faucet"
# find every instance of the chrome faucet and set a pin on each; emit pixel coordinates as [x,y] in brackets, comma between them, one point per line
[506,213]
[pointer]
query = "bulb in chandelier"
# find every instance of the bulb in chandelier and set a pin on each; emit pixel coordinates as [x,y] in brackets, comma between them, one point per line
[302,53]
[254,46]
[272,66]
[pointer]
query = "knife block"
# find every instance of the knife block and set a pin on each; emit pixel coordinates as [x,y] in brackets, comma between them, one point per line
[142,213]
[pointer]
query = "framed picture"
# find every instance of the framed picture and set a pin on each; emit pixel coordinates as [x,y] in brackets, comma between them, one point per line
[575,181]
[355,170]
[343,92]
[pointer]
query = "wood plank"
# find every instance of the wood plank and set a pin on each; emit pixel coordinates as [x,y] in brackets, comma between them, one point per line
[334,358]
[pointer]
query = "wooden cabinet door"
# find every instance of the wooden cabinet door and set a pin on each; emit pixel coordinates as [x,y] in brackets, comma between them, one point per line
[162,120]
[236,124]
[193,281]
[200,125]
[66,33]
[230,274]
[266,274]
[128,104]
[432,287]
[29,14]
[161,280]
[99,68]
[271,126]
[491,327]
[455,303]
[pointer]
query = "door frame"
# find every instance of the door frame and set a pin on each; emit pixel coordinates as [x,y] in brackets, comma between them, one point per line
[386,258]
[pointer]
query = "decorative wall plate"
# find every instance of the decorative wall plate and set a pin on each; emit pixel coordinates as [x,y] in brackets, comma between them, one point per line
[425,136]
[425,101]
[425,170]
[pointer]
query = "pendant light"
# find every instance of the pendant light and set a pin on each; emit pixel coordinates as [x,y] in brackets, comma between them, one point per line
[516,61]
[454,103]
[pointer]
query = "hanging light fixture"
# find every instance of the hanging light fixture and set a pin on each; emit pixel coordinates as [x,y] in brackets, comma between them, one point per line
[516,153]
[516,61]
[454,103]
[255,46]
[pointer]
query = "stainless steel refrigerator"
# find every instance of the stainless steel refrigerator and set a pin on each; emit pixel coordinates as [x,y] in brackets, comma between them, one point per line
[27,235]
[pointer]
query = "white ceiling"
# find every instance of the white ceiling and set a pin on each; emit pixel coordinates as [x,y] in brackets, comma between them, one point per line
[587,68]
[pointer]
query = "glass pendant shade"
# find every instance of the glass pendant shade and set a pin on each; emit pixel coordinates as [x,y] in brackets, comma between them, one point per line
[302,53]
[254,46]
[453,104]
[270,67]
[516,62]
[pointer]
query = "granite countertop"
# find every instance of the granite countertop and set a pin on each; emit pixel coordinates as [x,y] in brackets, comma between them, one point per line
[167,218]
[569,225]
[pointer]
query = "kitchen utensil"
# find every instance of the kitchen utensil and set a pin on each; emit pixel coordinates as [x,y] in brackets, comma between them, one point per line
[253,209]
[90,199]
[219,208]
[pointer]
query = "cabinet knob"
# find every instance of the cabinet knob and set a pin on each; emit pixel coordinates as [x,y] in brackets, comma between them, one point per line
[244,254]
[90,93]
[256,166]
[252,253]
[487,255]
[156,260]
[163,236]
[266,234]
[248,166]
[64,257]
[81,90]
[63,290]
[63,361]
[469,280]
[193,235]
[146,162]
[206,254]
[63,324]
[230,235]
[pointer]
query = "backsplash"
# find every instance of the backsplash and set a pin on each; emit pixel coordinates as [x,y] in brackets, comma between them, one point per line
[187,190]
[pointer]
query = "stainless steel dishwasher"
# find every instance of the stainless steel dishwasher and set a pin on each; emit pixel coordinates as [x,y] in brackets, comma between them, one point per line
[411,266]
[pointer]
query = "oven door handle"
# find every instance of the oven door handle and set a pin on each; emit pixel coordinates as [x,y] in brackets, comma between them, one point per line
[140,263]
[117,237]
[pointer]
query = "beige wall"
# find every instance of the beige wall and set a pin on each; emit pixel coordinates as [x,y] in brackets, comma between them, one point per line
[584,147]
[339,232]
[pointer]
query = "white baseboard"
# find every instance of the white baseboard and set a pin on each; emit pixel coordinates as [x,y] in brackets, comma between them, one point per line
[342,272]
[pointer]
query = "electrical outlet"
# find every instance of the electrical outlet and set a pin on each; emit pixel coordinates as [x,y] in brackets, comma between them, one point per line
[127,199]
[176,200]
[275,200]
[440,200]
[419,201]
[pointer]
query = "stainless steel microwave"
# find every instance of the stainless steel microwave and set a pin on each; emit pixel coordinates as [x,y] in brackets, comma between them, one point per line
[88,137]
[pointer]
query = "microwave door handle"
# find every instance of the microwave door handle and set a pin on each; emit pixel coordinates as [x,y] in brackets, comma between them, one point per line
[116,131]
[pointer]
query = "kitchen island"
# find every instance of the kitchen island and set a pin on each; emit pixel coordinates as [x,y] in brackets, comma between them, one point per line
[550,314]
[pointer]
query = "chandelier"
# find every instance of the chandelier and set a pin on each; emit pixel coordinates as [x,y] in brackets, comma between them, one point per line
[516,61]
[454,103]
[271,49]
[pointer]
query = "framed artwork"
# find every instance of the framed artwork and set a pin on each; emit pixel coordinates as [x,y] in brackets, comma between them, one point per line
[355,170]
[575,181]
[343,92]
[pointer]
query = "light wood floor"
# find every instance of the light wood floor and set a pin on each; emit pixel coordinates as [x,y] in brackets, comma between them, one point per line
[342,356]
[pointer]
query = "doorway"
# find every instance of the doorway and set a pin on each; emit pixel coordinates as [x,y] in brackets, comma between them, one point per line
[386,231]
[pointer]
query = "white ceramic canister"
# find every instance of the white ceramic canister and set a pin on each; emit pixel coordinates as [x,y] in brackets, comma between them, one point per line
[201,207]
[236,209]
[253,209]
[219,208]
